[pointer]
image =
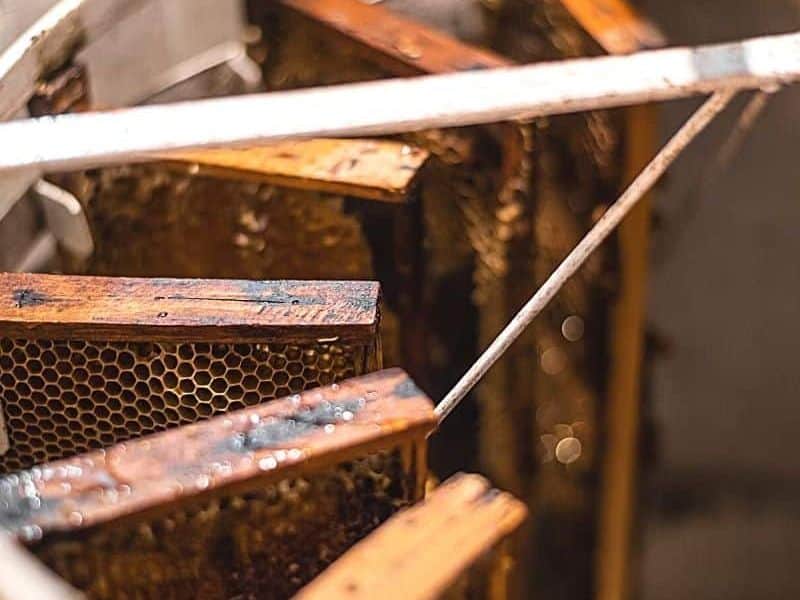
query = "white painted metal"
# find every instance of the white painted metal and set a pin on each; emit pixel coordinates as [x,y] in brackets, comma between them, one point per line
[65,219]
[23,577]
[383,107]
[162,43]
[130,49]
[69,24]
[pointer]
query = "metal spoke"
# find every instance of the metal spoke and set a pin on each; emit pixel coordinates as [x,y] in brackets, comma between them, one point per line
[575,259]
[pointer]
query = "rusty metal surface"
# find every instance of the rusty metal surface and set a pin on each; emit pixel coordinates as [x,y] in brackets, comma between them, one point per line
[254,502]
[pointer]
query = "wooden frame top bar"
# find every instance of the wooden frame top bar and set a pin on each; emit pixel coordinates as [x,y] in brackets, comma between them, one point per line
[615,25]
[421,551]
[371,169]
[185,310]
[402,45]
[226,454]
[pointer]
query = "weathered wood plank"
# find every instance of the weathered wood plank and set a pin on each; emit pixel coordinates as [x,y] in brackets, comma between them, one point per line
[420,552]
[615,25]
[258,445]
[111,309]
[377,170]
[402,45]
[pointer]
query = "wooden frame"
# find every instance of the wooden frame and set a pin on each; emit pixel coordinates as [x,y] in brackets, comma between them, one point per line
[366,169]
[429,550]
[237,456]
[35,306]
[86,362]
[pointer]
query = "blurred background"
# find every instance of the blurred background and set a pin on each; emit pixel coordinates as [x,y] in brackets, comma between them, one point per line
[717,495]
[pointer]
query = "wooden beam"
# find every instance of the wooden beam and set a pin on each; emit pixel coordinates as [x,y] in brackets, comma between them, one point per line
[180,310]
[261,445]
[618,490]
[399,44]
[372,169]
[422,551]
[615,25]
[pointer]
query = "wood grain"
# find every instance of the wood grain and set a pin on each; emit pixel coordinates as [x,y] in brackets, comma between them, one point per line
[617,504]
[370,169]
[121,308]
[615,25]
[421,551]
[401,45]
[154,473]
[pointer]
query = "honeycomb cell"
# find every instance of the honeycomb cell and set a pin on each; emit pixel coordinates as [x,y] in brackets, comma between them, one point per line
[233,376]
[294,368]
[61,398]
[232,361]
[266,388]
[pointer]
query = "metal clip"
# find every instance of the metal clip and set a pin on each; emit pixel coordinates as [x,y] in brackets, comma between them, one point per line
[66,219]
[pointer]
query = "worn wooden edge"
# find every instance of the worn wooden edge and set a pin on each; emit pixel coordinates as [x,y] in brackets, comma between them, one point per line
[217,310]
[236,452]
[615,25]
[361,168]
[402,45]
[421,551]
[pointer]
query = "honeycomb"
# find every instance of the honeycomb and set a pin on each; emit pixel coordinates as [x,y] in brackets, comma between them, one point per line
[155,221]
[65,397]
[266,543]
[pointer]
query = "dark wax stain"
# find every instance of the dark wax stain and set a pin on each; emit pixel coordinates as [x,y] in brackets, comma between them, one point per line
[474,67]
[286,429]
[407,389]
[277,298]
[27,297]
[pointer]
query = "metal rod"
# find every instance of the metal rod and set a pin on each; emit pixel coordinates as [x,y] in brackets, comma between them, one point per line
[577,257]
[693,200]
[398,105]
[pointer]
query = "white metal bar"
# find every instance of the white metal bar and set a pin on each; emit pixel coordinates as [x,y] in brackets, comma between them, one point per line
[23,576]
[43,46]
[383,107]
[596,236]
